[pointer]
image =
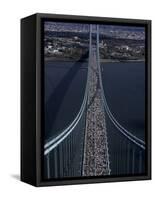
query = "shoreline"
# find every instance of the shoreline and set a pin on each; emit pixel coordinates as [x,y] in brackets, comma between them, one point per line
[119,61]
[84,60]
[64,59]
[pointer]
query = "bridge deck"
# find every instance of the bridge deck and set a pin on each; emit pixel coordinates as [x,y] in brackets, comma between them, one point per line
[96,158]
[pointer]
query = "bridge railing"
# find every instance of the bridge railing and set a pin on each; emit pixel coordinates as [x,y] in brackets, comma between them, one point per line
[126,151]
[63,154]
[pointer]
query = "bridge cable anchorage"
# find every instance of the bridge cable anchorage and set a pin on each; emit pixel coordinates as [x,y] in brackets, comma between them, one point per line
[125,132]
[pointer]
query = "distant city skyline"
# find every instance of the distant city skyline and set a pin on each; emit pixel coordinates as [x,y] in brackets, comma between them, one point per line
[130,32]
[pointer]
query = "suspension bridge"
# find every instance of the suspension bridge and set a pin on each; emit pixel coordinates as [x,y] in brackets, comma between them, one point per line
[85,147]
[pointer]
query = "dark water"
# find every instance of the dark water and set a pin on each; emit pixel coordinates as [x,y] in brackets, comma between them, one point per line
[124,85]
[64,92]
